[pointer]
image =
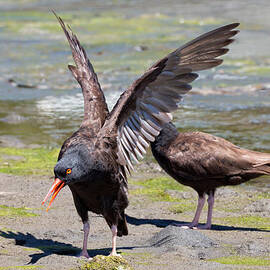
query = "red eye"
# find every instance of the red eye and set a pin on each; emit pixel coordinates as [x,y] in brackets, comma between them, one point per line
[68,171]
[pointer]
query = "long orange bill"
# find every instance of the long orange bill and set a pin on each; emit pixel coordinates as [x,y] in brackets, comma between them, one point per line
[54,190]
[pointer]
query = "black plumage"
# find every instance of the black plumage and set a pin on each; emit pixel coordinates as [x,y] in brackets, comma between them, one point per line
[206,162]
[93,162]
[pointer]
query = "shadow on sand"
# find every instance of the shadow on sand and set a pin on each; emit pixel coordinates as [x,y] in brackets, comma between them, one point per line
[162,223]
[49,247]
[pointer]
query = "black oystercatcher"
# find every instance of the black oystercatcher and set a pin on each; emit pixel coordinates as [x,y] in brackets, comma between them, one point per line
[206,162]
[93,162]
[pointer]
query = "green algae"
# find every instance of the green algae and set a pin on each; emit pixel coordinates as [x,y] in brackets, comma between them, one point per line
[29,21]
[4,251]
[25,15]
[155,195]
[157,189]
[21,267]
[110,38]
[161,183]
[38,161]
[31,249]
[200,22]
[111,33]
[104,28]
[255,70]
[240,62]
[184,206]
[263,195]
[100,262]
[15,212]
[262,223]
[242,260]
[248,66]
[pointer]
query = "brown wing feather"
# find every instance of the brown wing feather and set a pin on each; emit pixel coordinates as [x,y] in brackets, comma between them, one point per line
[145,106]
[203,155]
[95,107]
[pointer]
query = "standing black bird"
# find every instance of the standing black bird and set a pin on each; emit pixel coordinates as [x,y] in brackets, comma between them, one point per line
[206,162]
[94,160]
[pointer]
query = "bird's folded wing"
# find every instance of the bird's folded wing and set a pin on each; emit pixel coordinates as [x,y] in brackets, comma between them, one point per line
[211,157]
[95,107]
[145,106]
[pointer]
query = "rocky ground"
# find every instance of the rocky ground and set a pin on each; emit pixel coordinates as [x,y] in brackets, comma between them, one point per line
[31,238]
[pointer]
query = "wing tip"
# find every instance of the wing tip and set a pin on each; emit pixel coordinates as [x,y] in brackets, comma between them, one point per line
[223,51]
[233,25]
[228,27]
[58,18]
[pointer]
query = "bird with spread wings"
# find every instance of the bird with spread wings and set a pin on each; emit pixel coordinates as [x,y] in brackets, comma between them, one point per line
[94,160]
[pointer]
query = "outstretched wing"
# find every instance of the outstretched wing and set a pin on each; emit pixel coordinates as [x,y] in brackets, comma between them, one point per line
[145,106]
[95,107]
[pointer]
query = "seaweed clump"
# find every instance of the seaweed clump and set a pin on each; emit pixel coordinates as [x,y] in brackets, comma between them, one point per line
[100,262]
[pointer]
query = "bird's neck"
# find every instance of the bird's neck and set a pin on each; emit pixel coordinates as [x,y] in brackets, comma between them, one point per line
[167,134]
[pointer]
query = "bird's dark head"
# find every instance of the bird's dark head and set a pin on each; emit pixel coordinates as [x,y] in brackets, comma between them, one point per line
[73,166]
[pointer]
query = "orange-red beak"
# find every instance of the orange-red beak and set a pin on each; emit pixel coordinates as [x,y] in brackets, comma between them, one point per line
[54,190]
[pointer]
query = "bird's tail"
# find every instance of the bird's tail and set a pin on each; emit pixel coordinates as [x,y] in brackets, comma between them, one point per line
[263,169]
[261,162]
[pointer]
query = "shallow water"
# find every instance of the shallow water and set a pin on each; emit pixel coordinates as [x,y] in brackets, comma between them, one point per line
[122,39]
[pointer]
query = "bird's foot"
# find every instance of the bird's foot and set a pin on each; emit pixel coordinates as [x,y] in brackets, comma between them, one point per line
[186,226]
[197,227]
[204,227]
[85,254]
[189,227]
[114,253]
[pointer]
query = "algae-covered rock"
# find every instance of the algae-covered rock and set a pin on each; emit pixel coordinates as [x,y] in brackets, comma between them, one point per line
[106,263]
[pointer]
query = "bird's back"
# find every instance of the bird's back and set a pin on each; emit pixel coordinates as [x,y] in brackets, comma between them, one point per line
[194,157]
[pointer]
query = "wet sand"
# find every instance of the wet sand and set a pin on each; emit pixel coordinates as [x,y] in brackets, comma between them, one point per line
[52,240]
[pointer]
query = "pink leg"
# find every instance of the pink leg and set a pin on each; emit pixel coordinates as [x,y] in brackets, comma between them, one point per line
[86,228]
[210,200]
[195,221]
[114,235]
